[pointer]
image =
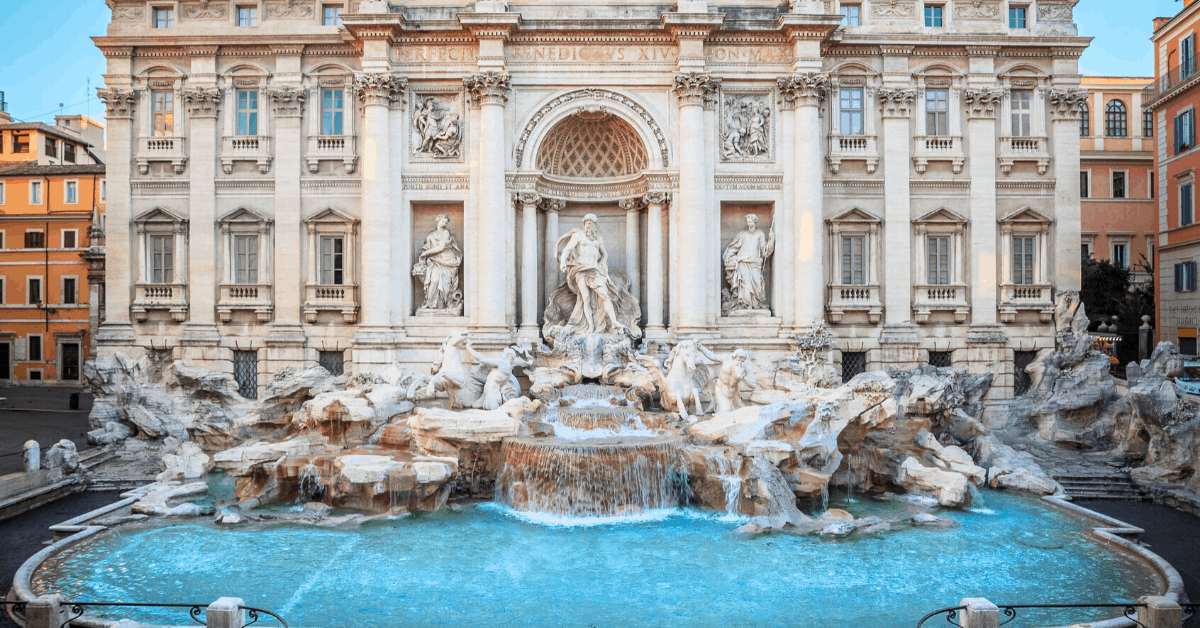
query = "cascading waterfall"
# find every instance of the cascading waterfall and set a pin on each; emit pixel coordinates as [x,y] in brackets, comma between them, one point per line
[729,471]
[310,482]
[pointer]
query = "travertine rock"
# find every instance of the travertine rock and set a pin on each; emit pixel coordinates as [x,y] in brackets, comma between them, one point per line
[62,455]
[188,462]
[950,488]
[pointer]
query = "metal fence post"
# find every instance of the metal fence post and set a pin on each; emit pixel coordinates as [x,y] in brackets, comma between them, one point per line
[1160,612]
[980,613]
[226,613]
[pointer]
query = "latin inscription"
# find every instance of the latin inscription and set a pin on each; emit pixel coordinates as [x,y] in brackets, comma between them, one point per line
[593,54]
[436,54]
[749,54]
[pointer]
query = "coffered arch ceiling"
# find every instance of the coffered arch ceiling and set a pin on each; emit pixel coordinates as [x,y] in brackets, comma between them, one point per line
[593,145]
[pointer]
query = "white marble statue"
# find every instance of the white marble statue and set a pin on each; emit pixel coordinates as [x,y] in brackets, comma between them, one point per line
[591,295]
[681,378]
[501,385]
[726,387]
[448,374]
[439,264]
[744,260]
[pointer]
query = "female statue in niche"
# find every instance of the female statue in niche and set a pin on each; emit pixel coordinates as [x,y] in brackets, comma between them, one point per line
[744,259]
[439,264]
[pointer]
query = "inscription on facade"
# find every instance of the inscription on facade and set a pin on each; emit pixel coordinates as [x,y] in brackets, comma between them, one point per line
[436,54]
[593,54]
[749,54]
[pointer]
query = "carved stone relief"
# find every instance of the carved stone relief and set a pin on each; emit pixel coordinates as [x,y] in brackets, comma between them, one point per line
[126,14]
[592,144]
[436,126]
[893,8]
[977,9]
[1056,12]
[747,127]
[290,8]
[206,10]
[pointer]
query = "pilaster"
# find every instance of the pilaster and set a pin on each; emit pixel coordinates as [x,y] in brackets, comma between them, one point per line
[488,90]
[896,105]
[1065,105]
[804,93]
[982,105]
[691,217]
[116,330]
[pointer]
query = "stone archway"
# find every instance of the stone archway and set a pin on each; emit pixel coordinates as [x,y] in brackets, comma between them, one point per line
[592,144]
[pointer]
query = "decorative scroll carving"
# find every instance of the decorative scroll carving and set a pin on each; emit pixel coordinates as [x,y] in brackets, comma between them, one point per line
[747,128]
[206,10]
[695,88]
[897,102]
[659,136]
[202,102]
[291,8]
[977,9]
[287,101]
[982,103]
[1065,104]
[592,144]
[118,102]
[656,198]
[1056,12]
[893,8]
[488,88]
[529,199]
[804,89]
[126,14]
[379,89]
[436,127]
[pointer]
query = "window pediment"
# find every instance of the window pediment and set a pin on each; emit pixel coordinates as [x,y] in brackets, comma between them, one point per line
[243,216]
[942,215]
[855,216]
[330,216]
[159,215]
[1025,216]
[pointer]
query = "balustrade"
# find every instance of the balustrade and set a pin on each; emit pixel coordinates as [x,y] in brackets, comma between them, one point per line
[331,298]
[256,148]
[847,298]
[1016,149]
[938,148]
[853,148]
[169,297]
[257,298]
[331,147]
[152,149]
[941,298]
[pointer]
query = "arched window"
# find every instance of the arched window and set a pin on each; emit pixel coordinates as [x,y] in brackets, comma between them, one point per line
[1085,120]
[1115,119]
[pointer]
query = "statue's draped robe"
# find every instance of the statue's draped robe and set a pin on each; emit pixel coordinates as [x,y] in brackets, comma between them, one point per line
[441,271]
[744,267]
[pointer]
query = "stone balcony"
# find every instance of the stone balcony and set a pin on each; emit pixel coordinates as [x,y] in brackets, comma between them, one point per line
[843,298]
[256,148]
[162,149]
[938,148]
[172,298]
[853,148]
[257,298]
[343,299]
[950,298]
[1017,149]
[1015,298]
[333,148]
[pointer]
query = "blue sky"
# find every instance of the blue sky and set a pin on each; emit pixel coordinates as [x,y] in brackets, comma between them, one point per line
[46,56]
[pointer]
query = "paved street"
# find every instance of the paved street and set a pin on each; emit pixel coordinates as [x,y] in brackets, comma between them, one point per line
[40,413]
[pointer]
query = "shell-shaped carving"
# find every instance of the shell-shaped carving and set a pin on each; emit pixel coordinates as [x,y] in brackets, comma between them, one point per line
[592,145]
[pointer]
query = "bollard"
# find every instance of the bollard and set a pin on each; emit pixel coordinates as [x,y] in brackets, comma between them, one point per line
[33,456]
[980,613]
[1160,612]
[74,402]
[1145,339]
[225,613]
[46,611]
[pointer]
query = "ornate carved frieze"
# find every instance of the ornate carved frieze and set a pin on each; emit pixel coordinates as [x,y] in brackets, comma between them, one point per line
[125,13]
[656,198]
[748,182]
[982,103]
[290,8]
[202,102]
[1065,104]
[696,88]
[976,9]
[631,205]
[893,8]
[528,199]
[604,191]
[205,10]
[747,126]
[118,102]
[287,101]
[803,89]
[379,89]
[897,103]
[554,205]
[1057,11]
[570,97]
[488,88]
[436,126]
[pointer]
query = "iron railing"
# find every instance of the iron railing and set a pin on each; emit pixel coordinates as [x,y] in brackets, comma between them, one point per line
[195,611]
[1174,76]
[1189,614]
[1009,612]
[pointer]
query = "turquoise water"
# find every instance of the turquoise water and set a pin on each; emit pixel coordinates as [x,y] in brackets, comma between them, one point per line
[486,566]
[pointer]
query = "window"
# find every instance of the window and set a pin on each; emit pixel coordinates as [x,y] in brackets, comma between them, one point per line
[3,292]
[35,240]
[1152,183]
[162,262]
[332,361]
[1,239]
[1085,186]
[1185,276]
[1016,17]
[247,16]
[71,192]
[937,111]
[245,259]
[1187,56]
[245,373]
[1115,119]
[247,108]
[1085,249]
[1022,381]
[69,290]
[33,290]
[938,249]
[1120,255]
[1187,346]
[851,105]
[332,111]
[1022,113]
[20,143]
[933,15]
[853,363]
[941,359]
[103,190]
[35,375]
[331,15]
[1023,260]
[852,14]
[2,191]
[68,152]
[332,260]
[51,148]
[853,261]
[35,348]
[164,18]
[35,192]
[163,107]
[1085,120]
[1118,185]
[1147,123]
[69,238]
[1186,215]
[1185,130]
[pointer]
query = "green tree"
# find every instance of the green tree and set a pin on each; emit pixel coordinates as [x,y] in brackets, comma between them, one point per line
[1103,289]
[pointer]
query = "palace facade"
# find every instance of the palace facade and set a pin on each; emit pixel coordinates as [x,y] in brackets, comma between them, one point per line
[283,175]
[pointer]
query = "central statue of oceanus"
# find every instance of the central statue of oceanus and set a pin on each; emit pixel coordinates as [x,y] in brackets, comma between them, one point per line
[590,300]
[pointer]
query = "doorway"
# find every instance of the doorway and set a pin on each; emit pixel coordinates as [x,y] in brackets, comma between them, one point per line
[70,361]
[4,366]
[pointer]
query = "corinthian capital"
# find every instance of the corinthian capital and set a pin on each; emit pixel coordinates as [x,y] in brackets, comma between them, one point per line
[287,101]
[529,199]
[656,198]
[202,102]
[897,102]
[1065,104]
[803,89]
[982,103]
[488,88]
[379,89]
[696,88]
[118,102]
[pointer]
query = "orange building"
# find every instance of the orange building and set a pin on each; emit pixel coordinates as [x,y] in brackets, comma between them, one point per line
[1116,159]
[1173,97]
[51,221]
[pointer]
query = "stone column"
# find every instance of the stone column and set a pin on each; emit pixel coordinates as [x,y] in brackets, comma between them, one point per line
[489,90]
[690,314]
[550,265]
[805,92]
[654,261]
[116,330]
[896,275]
[285,270]
[402,282]
[633,240]
[529,263]
[981,105]
[1065,105]
[200,335]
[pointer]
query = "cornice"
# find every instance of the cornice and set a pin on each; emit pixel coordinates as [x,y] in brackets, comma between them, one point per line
[374,26]
[692,25]
[811,27]
[490,25]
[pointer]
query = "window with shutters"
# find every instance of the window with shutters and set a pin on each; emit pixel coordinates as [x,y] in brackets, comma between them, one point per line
[1187,56]
[1186,204]
[1085,186]
[1147,123]
[937,111]
[20,143]
[938,276]
[35,347]
[1185,276]
[246,285]
[850,103]
[162,259]
[1116,119]
[35,240]
[937,249]
[1120,254]
[246,259]
[331,285]
[162,266]
[853,250]
[1022,113]
[853,261]
[33,290]
[68,152]
[69,238]
[1023,259]
[1185,130]
[51,148]
[70,290]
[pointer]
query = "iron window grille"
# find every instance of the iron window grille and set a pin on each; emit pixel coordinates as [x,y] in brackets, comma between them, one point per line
[245,372]
[332,361]
[941,359]
[1022,382]
[853,363]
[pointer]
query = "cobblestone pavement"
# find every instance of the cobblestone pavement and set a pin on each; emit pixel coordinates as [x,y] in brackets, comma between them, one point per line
[40,413]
